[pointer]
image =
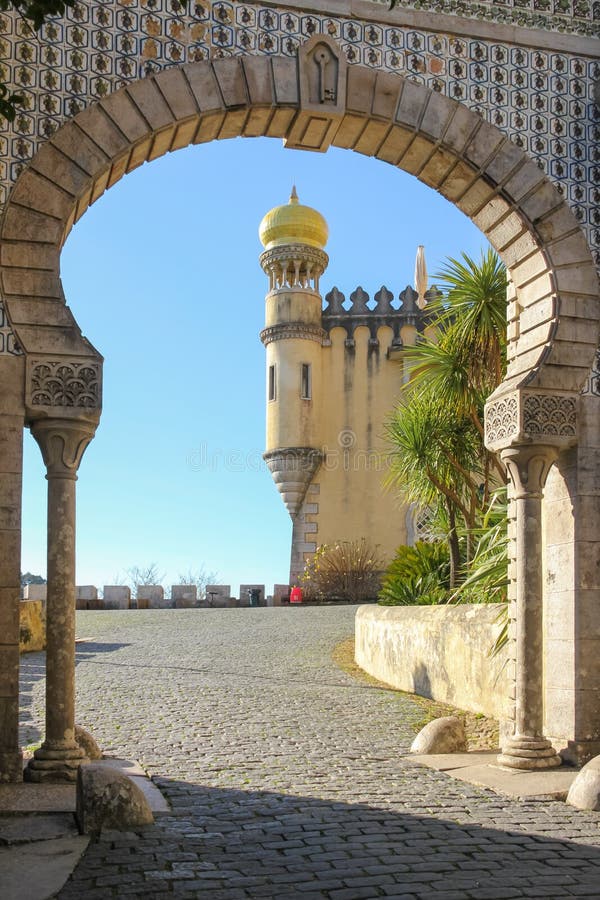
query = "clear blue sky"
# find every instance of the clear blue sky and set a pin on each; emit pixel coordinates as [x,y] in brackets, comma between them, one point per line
[162,274]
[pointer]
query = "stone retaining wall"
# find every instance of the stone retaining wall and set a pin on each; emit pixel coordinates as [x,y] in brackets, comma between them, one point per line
[441,652]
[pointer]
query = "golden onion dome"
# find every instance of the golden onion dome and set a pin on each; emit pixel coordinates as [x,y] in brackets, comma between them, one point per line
[293,223]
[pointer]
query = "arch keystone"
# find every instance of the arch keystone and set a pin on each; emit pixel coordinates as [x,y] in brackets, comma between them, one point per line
[322,77]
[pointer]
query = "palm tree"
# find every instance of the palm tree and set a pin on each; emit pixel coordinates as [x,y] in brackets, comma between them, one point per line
[435,462]
[476,303]
[436,432]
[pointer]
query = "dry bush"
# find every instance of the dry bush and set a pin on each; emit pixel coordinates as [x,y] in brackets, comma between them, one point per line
[346,570]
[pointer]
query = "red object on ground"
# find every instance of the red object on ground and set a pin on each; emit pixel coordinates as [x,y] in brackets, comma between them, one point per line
[296,595]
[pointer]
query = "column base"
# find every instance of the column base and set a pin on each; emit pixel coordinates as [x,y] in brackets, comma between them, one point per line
[528,754]
[11,767]
[55,766]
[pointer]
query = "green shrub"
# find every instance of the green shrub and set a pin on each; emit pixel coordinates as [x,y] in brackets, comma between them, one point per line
[417,575]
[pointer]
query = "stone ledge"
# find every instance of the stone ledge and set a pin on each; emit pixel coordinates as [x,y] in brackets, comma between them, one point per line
[479,768]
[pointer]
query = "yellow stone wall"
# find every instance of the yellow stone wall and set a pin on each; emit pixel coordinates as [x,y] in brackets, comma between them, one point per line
[360,387]
[32,626]
[347,500]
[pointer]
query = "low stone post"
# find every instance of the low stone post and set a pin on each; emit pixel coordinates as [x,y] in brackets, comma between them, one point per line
[528,468]
[63,443]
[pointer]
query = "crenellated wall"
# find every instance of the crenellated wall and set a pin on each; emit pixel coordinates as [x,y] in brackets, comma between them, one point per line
[404,316]
[363,374]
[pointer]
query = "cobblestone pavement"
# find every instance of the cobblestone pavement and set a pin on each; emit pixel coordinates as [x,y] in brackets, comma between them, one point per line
[286,776]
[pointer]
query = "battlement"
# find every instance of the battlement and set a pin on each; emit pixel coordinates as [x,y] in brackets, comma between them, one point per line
[384,310]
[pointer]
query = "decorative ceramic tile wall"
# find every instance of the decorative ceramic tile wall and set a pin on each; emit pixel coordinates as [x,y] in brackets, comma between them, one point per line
[542,100]
[575,16]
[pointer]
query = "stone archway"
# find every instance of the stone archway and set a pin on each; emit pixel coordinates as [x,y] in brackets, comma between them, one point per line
[471,163]
[312,102]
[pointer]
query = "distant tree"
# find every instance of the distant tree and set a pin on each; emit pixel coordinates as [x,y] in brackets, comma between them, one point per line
[30,578]
[135,575]
[200,577]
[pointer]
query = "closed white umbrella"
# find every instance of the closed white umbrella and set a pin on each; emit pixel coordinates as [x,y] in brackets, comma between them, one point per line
[421,277]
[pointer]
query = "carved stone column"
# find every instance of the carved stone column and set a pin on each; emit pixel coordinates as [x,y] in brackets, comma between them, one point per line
[528,468]
[62,442]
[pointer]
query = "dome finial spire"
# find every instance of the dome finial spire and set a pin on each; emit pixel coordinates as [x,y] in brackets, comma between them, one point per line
[293,223]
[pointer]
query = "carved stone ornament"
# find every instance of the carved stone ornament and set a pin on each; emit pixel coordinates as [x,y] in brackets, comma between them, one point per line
[8,342]
[592,385]
[319,85]
[292,331]
[317,258]
[546,415]
[501,420]
[65,383]
[322,71]
[523,417]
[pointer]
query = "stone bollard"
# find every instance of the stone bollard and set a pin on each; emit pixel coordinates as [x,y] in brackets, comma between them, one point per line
[106,798]
[444,735]
[585,790]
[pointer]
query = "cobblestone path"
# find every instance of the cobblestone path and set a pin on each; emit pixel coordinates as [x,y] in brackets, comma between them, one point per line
[286,776]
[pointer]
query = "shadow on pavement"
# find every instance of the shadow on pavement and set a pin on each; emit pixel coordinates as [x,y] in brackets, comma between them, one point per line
[235,844]
[32,668]
[87,649]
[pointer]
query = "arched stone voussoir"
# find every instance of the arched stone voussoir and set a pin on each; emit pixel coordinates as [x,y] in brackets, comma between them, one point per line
[151,104]
[439,140]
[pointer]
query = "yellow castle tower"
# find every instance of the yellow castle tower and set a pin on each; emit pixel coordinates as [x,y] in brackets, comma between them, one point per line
[293,236]
[333,376]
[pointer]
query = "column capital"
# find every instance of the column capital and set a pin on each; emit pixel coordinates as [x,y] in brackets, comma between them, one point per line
[528,467]
[63,443]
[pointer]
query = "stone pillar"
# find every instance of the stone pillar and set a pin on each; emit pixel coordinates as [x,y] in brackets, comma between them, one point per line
[62,442]
[12,413]
[528,468]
